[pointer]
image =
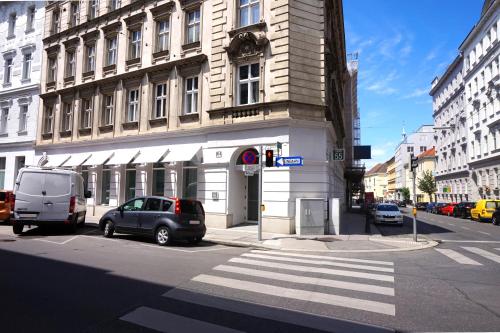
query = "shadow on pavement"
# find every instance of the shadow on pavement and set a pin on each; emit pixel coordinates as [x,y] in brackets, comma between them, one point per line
[423,228]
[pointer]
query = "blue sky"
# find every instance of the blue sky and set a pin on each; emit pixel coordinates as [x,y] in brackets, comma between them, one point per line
[402,46]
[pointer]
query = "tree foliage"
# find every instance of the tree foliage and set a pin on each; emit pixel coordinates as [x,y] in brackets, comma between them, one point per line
[405,191]
[427,184]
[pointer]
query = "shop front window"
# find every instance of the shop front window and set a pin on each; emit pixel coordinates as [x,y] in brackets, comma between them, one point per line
[106,185]
[130,175]
[190,181]
[158,179]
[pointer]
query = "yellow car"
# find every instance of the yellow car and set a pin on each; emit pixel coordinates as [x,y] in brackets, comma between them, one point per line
[484,209]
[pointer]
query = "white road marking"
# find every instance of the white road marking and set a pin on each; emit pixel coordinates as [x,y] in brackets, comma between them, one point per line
[484,233]
[304,295]
[182,250]
[307,280]
[101,238]
[320,262]
[451,224]
[467,241]
[461,259]
[465,228]
[483,253]
[371,276]
[364,261]
[169,322]
[53,242]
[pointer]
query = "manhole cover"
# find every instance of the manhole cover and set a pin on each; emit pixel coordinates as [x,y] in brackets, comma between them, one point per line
[7,240]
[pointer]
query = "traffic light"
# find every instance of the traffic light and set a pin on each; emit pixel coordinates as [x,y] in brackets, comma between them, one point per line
[413,162]
[269,158]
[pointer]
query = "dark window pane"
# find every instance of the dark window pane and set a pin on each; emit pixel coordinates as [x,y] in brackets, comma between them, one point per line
[255,70]
[189,84]
[244,93]
[153,204]
[166,205]
[243,72]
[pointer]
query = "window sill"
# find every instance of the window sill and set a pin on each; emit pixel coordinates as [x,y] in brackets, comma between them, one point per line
[106,128]
[85,131]
[88,74]
[130,125]
[50,85]
[158,121]
[192,117]
[252,27]
[46,136]
[22,132]
[109,68]
[27,31]
[4,134]
[65,134]
[133,61]
[7,84]
[69,79]
[11,36]
[161,54]
[191,46]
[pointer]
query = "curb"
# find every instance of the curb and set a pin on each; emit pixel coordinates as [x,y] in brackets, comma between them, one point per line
[241,244]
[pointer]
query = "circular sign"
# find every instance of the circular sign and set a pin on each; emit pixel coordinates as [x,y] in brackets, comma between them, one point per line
[249,157]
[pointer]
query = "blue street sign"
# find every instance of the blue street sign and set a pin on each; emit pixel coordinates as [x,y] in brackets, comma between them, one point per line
[289,161]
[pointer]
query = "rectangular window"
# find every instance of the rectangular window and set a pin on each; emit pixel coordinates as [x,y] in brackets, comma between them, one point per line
[193,26]
[23,118]
[135,44]
[86,120]
[85,176]
[90,57]
[133,105]
[248,84]
[30,20]
[2,172]
[70,63]
[158,179]
[163,31]
[27,66]
[114,4]
[52,70]
[409,149]
[74,13]
[105,185]
[107,117]
[189,181]
[55,22]
[191,95]
[7,73]
[423,148]
[20,163]
[4,116]
[160,101]
[48,119]
[12,25]
[111,50]
[249,12]
[67,115]
[93,9]
[130,176]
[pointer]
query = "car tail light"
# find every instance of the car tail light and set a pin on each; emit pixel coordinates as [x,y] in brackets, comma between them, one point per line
[177,207]
[72,203]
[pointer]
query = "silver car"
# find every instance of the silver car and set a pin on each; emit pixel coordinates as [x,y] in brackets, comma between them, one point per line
[388,213]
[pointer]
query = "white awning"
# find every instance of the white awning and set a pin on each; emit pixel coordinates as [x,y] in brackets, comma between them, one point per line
[151,155]
[181,153]
[123,156]
[77,159]
[98,158]
[56,160]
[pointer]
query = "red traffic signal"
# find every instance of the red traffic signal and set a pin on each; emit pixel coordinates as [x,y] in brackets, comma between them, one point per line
[269,158]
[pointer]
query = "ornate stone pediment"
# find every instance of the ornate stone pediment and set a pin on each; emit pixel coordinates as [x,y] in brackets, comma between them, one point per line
[245,45]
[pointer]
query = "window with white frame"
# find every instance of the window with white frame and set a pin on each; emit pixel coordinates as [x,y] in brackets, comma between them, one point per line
[111,47]
[423,148]
[55,21]
[114,4]
[2,172]
[67,115]
[163,32]
[74,13]
[23,118]
[27,58]
[193,26]
[70,63]
[90,63]
[12,25]
[86,115]
[30,18]
[135,44]
[409,149]
[248,84]
[191,95]
[4,116]
[160,109]
[249,12]
[7,72]
[93,9]
[133,105]
[52,69]
[108,111]
[48,118]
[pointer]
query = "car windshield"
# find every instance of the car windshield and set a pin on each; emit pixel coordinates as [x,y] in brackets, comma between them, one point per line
[387,208]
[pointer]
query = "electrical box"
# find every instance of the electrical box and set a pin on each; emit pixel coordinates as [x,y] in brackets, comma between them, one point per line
[310,216]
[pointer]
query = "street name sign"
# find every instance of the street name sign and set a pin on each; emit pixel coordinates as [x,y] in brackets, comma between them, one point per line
[289,161]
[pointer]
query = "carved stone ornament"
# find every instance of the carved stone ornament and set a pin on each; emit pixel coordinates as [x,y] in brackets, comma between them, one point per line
[246,44]
[492,91]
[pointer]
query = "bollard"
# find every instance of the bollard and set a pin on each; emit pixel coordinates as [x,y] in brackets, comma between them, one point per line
[367,222]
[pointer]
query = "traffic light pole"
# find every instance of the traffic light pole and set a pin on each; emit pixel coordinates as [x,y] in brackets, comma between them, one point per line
[259,226]
[414,207]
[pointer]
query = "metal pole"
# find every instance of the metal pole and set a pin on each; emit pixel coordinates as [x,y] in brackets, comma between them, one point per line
[414,205]
[260,194]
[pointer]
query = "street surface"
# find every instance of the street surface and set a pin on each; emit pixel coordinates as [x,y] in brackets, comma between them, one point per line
[56,282]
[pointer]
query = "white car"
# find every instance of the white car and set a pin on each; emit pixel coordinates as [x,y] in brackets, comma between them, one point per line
[388,213]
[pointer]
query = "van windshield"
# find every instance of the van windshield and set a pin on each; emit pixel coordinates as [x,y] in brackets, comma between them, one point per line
[31,183]
[56,184]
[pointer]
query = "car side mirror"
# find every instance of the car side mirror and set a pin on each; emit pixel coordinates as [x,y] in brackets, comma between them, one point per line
[87,194]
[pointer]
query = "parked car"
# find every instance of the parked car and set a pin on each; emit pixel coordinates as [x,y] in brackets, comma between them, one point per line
[388,213]
[437,207]
[421,205]
[401,203]
[447,209]
[430,207]
[162,218]
[484,209]
[48,196]
[462,209]
[6,198]
[495,217]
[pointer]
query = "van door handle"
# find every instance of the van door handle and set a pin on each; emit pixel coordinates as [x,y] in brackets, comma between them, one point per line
[48,203]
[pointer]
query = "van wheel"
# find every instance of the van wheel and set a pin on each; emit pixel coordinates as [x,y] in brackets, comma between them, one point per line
[162,236]
[109,229]
[74,224]
[82,224]
[17,228]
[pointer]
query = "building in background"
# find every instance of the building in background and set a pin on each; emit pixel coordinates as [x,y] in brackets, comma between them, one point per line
[21,28]
[426,163]
[176,98]
[376,181]
[391,179]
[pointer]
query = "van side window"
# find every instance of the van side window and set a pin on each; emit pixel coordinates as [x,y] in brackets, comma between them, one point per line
[166,205]
[153,204]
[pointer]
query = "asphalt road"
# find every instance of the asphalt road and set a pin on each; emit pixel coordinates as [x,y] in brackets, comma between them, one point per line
[56,282]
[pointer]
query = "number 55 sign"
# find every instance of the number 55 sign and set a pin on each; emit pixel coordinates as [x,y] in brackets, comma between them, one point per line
[338,154]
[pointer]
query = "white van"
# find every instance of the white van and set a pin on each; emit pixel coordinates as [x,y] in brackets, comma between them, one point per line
[48,196]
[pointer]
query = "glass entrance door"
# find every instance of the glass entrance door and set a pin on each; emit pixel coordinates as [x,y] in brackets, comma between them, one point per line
[252,198]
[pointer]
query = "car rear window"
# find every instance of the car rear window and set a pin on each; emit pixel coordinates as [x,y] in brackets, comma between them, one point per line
[387,208]
[56,184]
[31,183]
[191,207]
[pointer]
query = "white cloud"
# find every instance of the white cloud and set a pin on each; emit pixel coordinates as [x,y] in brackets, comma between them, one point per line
[417,93]
[383,87]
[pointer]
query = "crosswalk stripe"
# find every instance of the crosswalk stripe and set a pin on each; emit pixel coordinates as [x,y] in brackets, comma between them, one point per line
[372,276]
[460,258]
[320,262]
[483,253]
[169,322]
[307,280]
[310,296]
[312,256]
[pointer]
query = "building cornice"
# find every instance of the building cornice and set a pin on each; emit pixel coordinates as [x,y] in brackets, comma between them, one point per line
[479,25]
[28,143]
[446,74]
[20,90]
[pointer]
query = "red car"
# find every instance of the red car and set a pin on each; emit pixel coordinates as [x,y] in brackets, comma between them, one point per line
[447,209]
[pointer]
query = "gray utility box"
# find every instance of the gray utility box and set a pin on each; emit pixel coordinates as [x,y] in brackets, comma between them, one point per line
[310,216]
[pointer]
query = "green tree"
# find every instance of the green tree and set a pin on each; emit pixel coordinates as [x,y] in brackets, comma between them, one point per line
[427,184]
[405,191]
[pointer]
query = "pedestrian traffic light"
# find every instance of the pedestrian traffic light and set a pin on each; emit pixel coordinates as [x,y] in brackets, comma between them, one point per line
[413,162]
[269,158]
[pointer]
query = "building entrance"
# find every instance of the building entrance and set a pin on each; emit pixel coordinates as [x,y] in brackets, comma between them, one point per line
[252,194]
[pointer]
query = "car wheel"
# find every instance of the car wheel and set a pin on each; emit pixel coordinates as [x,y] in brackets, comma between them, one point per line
[17,228]
[163,236]
[463,215]
[109,229]
[195,240]
[494,220]
[478,218]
